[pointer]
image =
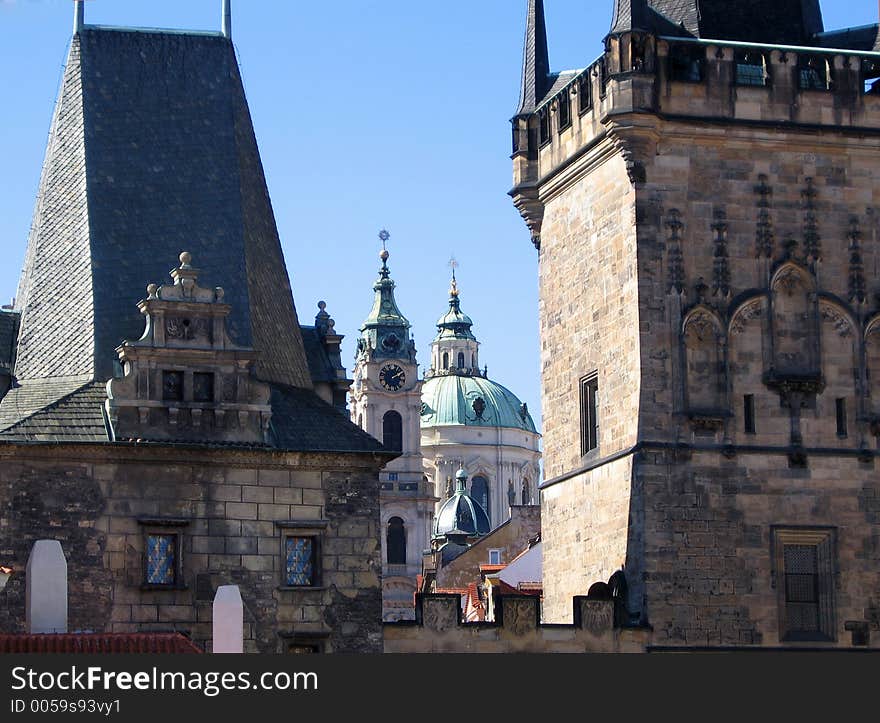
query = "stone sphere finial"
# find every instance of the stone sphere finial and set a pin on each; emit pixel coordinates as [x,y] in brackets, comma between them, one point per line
[151,291]
[322,305]
[219,293]
[185,258]
[383,254]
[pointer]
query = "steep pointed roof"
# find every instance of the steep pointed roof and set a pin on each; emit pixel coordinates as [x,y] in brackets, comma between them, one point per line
[536,59]
[152,150]
[385,312]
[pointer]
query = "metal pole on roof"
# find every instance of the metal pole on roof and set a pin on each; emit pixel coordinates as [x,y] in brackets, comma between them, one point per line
[227,18]
[79,15]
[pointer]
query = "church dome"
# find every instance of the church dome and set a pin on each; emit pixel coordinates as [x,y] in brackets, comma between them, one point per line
[461,514]
[472,401]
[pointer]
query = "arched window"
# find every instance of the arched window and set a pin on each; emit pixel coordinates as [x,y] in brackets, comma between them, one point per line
[392,431]
[473,361]
[461,360]
[446,360]
[360,421]
[396,542]
[526,493]
[480,492]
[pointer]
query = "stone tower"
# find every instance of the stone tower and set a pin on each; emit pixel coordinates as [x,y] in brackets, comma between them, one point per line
[703,198]
[386,402]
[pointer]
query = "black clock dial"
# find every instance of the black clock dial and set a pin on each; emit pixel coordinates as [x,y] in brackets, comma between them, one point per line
[392,377]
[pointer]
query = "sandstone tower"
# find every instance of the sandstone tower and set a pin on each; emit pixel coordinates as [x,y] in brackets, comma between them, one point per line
[704,202]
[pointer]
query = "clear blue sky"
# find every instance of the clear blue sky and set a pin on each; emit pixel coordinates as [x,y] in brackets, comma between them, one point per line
[369,114]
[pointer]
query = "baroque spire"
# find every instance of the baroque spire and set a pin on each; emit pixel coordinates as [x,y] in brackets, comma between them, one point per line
[536,59]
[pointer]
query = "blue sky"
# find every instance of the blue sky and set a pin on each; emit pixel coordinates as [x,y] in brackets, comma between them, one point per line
[369,114]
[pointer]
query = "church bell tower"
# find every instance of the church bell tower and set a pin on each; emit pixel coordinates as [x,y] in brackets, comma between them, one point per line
[386,402]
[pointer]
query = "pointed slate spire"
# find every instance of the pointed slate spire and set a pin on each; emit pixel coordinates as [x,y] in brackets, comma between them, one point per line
[629,15]
[536,59]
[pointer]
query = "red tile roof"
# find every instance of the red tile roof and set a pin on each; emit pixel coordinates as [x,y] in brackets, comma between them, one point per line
[98,643]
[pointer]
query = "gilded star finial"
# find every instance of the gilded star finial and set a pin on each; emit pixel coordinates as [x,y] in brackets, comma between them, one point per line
[453,288]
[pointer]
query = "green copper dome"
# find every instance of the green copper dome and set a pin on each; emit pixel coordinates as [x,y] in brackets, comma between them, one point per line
[474,401]
[461,514]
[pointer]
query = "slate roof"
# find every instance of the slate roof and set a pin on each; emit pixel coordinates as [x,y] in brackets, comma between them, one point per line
[782,22]
[320,367]
[301,422]
[152,152]
[97,643]
[536,59]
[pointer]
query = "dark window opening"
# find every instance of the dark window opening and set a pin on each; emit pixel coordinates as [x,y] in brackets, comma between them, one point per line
[801,588]
[203,387]
[396,541]
[172,386]
[300,563]
[585,93]
[480,492]
[603,78]
[446,360]
[686,64]
[750,68]
[564,116]
[813,73]
[871,76]
[461,360]
[392,431]
[543,127]
[589,393]
[526,493]
[161,568]
[515,129]
[840,407]
[749,414]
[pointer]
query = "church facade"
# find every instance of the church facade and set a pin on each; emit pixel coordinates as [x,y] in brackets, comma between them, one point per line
[703,200]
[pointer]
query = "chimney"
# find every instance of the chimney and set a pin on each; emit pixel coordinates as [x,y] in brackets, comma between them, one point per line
[228,617]
[46,588]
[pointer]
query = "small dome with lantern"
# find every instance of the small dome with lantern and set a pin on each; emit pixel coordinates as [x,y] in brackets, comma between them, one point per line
[461,514]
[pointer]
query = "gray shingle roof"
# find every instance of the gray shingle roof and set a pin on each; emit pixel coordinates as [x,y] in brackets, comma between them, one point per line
[8,333]
[75,417]
[319,363]
[152,152]
[536,59]
[785,22]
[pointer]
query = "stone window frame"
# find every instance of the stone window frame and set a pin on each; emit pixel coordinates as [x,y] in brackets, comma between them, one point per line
[825,540]
[590,425]
[176,527]
[544,126]
[563,118]
[317,641]
[585,93]
[743,60]
[499,552]
[315,529]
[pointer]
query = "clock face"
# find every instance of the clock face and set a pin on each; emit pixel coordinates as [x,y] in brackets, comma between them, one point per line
[392,377]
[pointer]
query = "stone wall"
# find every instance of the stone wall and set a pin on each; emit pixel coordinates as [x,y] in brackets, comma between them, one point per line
[98,501]
[438,629]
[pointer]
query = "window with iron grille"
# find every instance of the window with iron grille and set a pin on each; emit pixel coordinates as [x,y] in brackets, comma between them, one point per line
[161,559]
[300,561]
[585,92]
[750,68]
[543,127]
[564,116]
[163,552]
[589,402]
[804,575]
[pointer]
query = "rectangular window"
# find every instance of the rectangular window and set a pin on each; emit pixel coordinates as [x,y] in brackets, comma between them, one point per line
[585,92]
[172,386]
[813,73]
[804,575]
[871,76]
[494,557]
[161,559]
[686,63]
[543,126]
[750,68]
[515,137]
[392,476]
[840,405]
[749,414]
[300,564]
[564,116]
[589,393]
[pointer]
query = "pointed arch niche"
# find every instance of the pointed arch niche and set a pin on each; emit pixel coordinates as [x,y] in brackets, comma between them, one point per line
[872,372]
[704,361]
[794,325]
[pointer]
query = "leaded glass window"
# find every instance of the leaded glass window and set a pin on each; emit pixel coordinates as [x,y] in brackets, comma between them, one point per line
[161,559]
[299,561]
